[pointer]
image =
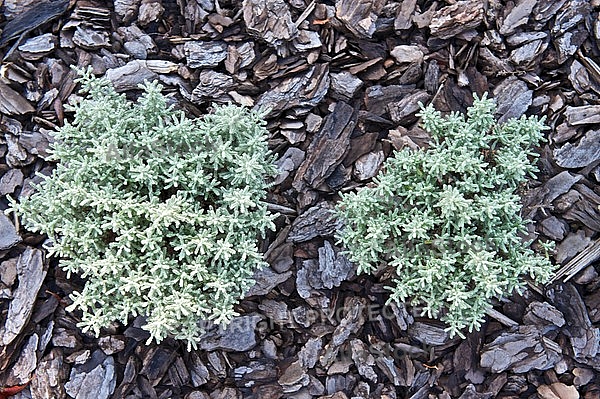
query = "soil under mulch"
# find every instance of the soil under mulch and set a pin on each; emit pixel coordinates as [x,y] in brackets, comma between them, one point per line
[342,79]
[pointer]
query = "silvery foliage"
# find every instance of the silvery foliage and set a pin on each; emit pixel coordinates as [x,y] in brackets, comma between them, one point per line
[159,213]
[446,220]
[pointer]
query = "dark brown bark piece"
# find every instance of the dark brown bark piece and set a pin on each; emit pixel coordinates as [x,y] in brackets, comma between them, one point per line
[31,274]
[513,98]
[156,363]
[32,18]
[584,338]
[328,147]
[12,103]
[378,97]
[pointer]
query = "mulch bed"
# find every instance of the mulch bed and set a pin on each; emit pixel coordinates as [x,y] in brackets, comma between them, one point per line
[342,80]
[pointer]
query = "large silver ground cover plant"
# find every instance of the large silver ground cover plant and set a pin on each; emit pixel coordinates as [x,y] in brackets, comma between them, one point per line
[159,213]
[446,221]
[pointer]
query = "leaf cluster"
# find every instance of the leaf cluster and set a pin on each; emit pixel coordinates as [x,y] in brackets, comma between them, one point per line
[161,214]
[446,220]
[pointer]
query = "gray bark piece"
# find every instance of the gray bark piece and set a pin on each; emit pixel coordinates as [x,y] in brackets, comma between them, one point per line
[37,47]
[90,39]
[307,40]
[568,44]
[581,205]
[583,115]
[8,182]
[36,142]
[470,392]
[17,155]
[205,54]
[333,268]
[307,278]
[582,154]
[150,11]
[404,54]
[212,85]
[558,185]
[270,21]
[8,272]
[359,16]
[352,321]
[237,336]
[389,368]
[513,98]
[525,37]
[306,90]
[428,334]
[542,313]
[403,20]
[50,377]
[451,20]
[91,381]
[288,163]
[524,55]
[126,8]
[8,234]
[31,274]
[111,344]
[544,10]
[294,377]
[36,14]
[520,351]
[404,111]
[554,228]
[309,354]
[345,85]
[378,97]
[518,16]
[21,371]
[573,244]
[368,165]
[138,41]
[266,280]
[363,360]
[570,15]
[239,56]
[129,76]
[198,371]
[318,221]
[584,337]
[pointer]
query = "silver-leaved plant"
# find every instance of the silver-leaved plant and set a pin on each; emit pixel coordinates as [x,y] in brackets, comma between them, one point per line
[446,220]
[159,213]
